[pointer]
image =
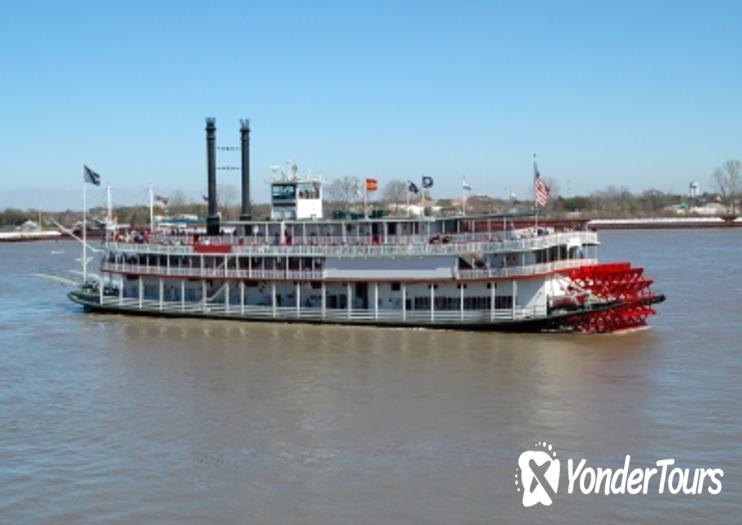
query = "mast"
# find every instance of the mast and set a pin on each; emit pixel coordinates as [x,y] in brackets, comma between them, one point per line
[84,232]
[535,178]
[465,187]
[151,210]
[109,210]
[365,199]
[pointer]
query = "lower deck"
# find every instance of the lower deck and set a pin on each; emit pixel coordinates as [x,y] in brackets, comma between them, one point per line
[593,298]
[523,321]
[408,303]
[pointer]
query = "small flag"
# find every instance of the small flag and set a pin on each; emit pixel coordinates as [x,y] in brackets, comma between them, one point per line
[160,201]
[427,182]
[90,176]
[372,184]
[205,198]
[412,187]
[540,188]
[465,185]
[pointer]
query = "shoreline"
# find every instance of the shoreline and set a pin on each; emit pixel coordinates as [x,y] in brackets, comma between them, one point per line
[658,223]
[651,223]
[30,236]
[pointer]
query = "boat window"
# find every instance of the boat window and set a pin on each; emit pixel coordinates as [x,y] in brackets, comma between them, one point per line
[283,192]
[309,190]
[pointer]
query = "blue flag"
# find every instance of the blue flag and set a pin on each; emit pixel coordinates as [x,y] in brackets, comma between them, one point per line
[427,182]
[90,176]
[412,187]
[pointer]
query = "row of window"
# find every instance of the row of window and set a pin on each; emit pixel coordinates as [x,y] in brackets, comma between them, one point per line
[171,293]
[454,303]
[305,190]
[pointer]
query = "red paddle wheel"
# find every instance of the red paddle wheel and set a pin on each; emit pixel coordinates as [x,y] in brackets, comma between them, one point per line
[604,285]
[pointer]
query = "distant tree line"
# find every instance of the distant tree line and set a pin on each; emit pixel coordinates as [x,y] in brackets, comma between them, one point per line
[346,193]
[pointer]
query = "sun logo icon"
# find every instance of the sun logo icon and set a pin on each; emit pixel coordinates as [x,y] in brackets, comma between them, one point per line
[537,475]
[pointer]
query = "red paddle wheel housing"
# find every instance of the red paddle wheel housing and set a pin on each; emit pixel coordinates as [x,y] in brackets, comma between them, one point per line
[604,284]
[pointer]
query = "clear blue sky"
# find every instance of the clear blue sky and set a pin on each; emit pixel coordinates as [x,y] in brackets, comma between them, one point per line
[641,94]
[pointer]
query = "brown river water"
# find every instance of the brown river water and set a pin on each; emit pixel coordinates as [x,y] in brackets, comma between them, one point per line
[115,419]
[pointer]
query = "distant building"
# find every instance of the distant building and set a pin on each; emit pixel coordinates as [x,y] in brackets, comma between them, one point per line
[29,226]
[412,210]
[710,208]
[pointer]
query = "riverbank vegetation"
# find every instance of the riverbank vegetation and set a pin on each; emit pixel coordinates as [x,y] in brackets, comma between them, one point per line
[613,202]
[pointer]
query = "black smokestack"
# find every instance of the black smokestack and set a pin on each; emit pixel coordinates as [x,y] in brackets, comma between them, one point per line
[212,218]
[246,213]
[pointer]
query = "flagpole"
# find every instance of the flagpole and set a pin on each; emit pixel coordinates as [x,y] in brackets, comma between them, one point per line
[535,178]
[463,196]
[422,198]
[408,200]
[504,215]
[109,211]
[84,232]
[365,199]
[151,210]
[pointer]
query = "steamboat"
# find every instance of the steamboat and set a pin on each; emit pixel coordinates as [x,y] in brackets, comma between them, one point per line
[474,272]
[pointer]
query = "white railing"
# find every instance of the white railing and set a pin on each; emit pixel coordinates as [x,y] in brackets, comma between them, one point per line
[531,269]
[350,239]
[299,275]
[412,245]
[318,275]
[416,317]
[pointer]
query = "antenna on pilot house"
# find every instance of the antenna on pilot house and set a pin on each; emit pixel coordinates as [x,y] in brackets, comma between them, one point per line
[294,167]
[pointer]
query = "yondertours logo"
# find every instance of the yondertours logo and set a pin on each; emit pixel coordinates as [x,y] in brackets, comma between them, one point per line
[537,477]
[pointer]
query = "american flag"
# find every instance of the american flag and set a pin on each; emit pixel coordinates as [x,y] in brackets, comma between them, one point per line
[540,188]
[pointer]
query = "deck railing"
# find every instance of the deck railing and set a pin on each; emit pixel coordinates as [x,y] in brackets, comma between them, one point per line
[299,275]
[318,275]
[351,238]
[417,317]
[410,245]
[530,269]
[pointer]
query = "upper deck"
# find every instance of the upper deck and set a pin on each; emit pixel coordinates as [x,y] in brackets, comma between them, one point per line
[386,237]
